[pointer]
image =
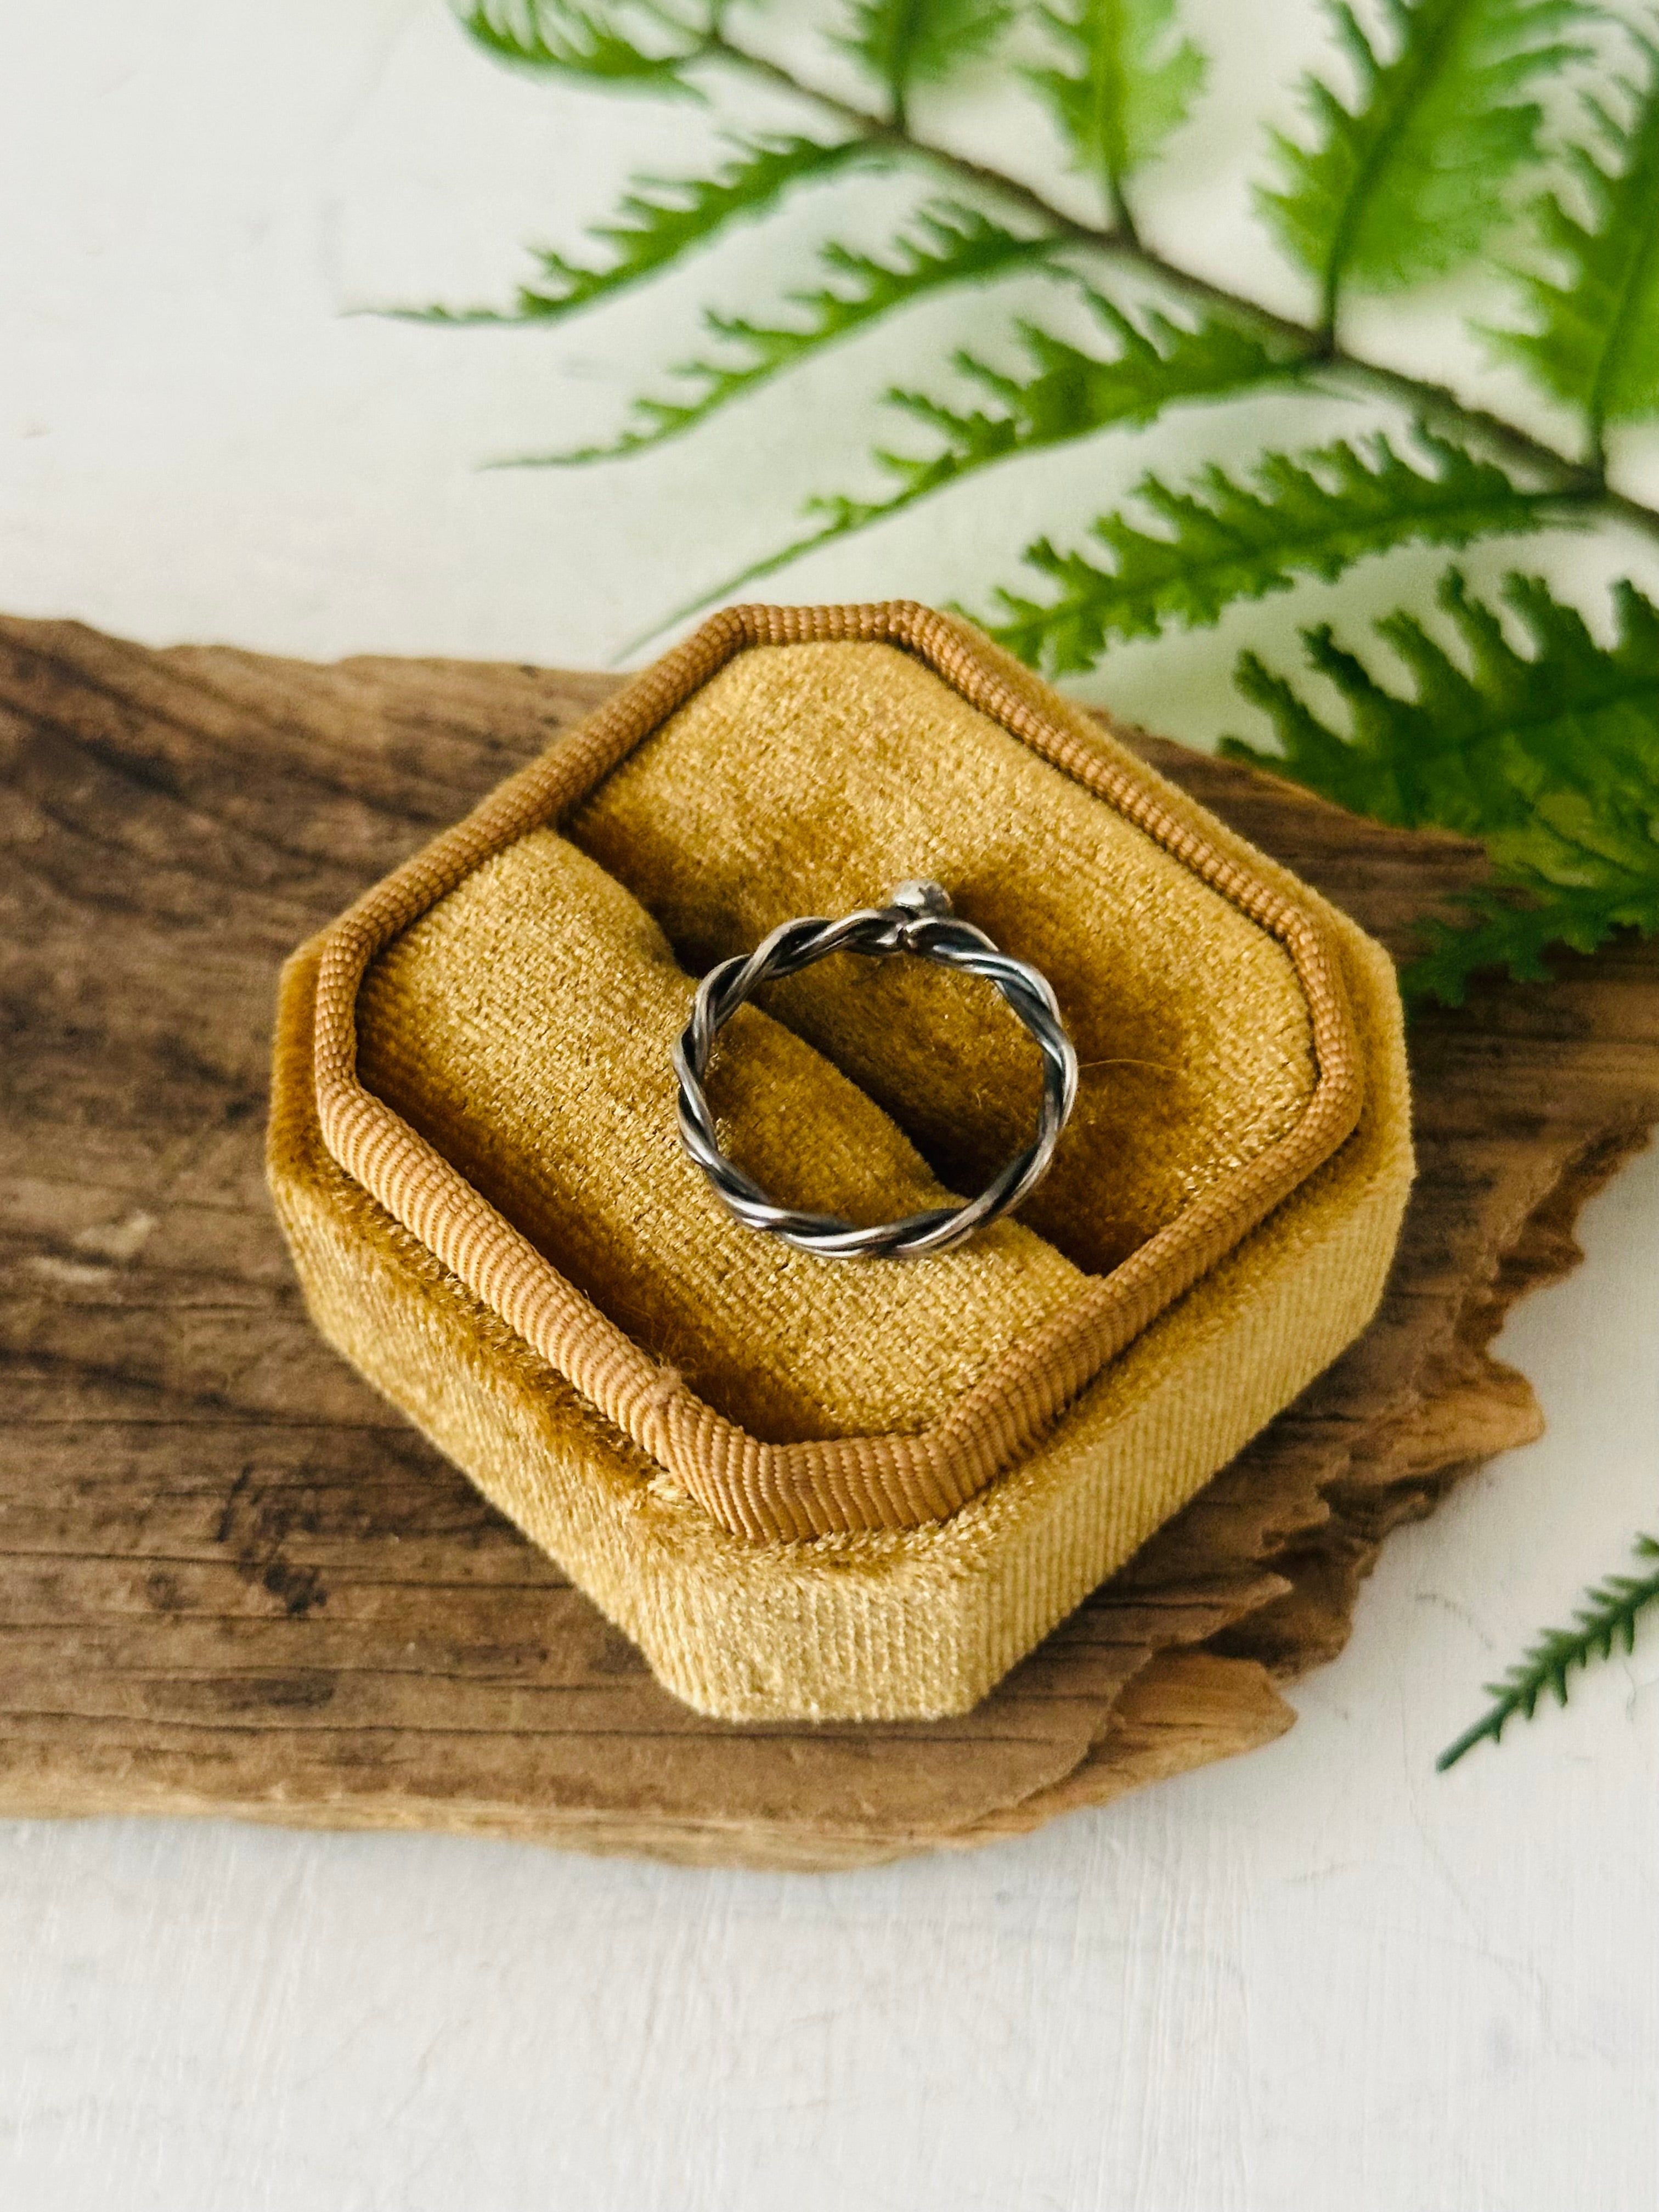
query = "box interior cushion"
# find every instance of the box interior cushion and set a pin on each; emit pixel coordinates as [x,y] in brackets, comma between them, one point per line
[811,779]
[522,1026]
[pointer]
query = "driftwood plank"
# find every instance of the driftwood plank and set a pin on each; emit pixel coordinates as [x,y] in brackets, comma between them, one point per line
[232,1580]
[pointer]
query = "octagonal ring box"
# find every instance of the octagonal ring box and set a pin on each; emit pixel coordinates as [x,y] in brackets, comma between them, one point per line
[807,1486]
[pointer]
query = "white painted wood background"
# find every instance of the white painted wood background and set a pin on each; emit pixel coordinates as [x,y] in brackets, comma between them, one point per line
[1318,1976]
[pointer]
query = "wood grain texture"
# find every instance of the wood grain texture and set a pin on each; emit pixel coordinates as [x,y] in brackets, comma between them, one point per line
[233,1581]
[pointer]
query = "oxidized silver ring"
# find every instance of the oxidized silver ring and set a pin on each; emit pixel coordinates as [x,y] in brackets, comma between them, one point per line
[917,919]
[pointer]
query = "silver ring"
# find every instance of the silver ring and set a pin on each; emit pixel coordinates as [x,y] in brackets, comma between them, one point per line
[917,919]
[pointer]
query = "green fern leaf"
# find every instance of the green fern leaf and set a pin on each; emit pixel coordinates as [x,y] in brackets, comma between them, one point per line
[597,43]
[1550,758]
[661,221]
[904,43]
[1606,1621]
[1411,181]
[1129,79]
[948,244]
[1595,337]
[1073,393]
[1312,515]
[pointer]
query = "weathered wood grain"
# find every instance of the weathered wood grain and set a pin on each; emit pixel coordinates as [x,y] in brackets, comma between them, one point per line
[232,1580]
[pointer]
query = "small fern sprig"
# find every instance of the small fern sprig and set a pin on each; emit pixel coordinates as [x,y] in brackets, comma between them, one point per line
[1412,181]
[661,221]
[1124,79]
[1220,541]
[945,246]
[1594,338]
[1605,1621]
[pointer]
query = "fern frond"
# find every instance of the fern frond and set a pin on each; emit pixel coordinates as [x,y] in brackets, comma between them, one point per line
[904,43]
[663,219]
[1606,1620]
[1549,757]
[946,245]
[1128,79]
[1073,393]
[627,46]
[1314,514]
[1411,181]
[1152,364]
[1595,339]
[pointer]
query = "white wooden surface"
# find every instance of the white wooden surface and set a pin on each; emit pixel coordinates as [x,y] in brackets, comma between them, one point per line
[1320,1976]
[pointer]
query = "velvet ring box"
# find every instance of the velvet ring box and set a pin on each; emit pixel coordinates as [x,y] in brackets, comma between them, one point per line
[811,1487]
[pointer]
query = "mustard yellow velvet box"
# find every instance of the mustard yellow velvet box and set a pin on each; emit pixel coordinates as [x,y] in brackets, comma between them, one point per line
[812,1486]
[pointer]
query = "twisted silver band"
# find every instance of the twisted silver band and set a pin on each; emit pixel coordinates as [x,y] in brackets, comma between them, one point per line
[917,919]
